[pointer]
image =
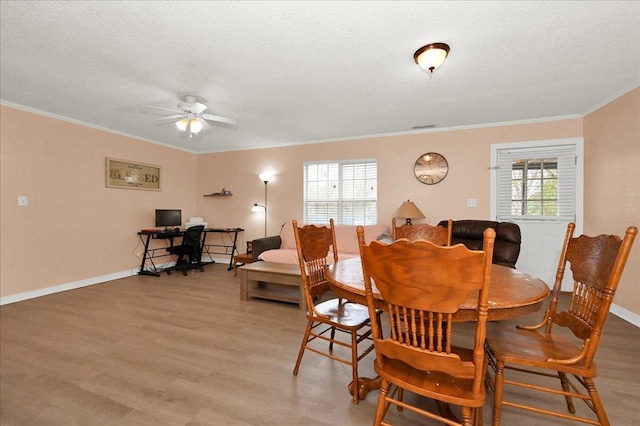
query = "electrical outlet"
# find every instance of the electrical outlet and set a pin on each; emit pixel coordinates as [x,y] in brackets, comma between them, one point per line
[472,202]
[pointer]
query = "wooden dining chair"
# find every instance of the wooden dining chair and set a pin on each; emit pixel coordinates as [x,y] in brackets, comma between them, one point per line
[596,264]
[327,317]
[438,235]
[422,286]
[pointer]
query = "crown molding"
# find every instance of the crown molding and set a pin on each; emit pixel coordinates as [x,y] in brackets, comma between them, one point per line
[89,125]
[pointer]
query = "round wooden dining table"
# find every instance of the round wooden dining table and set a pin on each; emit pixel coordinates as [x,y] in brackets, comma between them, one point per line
[511,294]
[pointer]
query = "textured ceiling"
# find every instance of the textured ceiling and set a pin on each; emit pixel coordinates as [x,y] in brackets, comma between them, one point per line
[299,72]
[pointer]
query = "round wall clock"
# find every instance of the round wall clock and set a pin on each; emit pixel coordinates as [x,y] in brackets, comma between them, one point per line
[431,168]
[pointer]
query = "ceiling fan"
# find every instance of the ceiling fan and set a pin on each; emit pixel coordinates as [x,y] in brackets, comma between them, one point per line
[191,116]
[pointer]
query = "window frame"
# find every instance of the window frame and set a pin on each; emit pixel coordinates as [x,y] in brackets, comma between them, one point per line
[541,147]
[340,213]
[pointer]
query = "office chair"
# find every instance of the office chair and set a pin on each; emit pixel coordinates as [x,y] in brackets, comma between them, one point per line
[189,252]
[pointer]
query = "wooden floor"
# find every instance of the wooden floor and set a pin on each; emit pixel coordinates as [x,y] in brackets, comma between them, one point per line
[181,350]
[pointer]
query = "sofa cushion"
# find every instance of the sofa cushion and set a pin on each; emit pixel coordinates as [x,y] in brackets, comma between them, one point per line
[346,240]
[287,237]
[291,256]
[472,229]
[507,243]
[507,251]
[280,256]
[346,237]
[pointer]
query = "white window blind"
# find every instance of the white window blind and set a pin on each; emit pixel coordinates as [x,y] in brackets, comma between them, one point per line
[346,191]
[537,183]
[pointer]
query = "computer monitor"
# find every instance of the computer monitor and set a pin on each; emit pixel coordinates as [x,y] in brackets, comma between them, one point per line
[168,217]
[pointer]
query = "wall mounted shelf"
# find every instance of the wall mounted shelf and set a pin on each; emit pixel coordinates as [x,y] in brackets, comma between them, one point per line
[218,194]
[223,193]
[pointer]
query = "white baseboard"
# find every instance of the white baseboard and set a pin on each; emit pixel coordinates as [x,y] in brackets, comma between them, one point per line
[65,287]
[622,313]
[626,315]
[82,283]
[220,260]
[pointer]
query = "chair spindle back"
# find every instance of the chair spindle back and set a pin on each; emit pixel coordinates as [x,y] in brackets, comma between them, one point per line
[437,235]
[313,244]
[423,286]
[596,265]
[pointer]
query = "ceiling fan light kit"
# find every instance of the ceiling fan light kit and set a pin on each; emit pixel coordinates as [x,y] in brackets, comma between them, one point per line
[182,124]
[431,56]
[195,126]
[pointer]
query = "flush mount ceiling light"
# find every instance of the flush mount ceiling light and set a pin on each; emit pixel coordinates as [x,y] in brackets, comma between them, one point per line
[431,56]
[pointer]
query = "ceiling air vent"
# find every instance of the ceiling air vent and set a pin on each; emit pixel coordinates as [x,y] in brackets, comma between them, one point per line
[426,126]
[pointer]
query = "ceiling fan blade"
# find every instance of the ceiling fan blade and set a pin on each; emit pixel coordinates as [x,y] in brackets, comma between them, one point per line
[175,111]
[220,119]
[197,107]
[205,125]
[170,117]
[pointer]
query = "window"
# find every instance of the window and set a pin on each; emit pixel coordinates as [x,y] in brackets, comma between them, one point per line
[537,183]
[534,187]
[346,191]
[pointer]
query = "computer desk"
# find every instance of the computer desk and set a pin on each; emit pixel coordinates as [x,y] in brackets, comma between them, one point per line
[146,235]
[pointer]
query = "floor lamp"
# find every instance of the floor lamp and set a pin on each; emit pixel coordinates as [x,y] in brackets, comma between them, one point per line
[258,207]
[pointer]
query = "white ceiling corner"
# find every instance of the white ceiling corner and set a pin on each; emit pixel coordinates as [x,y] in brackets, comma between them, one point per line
[299,72]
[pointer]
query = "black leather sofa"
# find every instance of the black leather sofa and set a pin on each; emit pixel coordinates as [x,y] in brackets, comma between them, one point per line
[507,243]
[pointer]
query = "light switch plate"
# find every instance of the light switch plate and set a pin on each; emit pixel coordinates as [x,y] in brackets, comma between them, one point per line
[23,200]
[472,202]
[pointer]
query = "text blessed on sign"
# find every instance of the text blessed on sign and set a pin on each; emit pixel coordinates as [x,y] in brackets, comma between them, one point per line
[130,175]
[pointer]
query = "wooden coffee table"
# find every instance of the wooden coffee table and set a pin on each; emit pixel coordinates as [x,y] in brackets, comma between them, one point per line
[272,281]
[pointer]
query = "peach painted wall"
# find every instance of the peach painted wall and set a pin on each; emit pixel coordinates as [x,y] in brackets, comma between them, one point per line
[74,228]
[612,182]
[467,152]
[60,167]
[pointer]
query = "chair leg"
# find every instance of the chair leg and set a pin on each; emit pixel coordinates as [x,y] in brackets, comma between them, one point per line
[478,421]
[185,265]
[465,413]
[382,402]
[400,396]
[354,364]
[497,395]
[597,402]
[333,336]
[198,262]
[303,346]
[565,387]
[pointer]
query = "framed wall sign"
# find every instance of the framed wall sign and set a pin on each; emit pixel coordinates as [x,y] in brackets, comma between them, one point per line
[130,175]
